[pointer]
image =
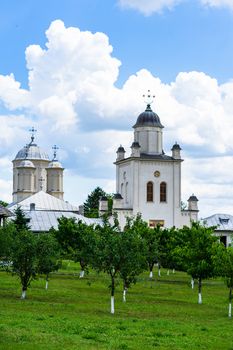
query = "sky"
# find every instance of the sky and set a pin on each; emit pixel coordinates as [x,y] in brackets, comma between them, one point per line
[76,70]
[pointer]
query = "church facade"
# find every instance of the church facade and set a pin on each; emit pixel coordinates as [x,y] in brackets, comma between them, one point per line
[149,181]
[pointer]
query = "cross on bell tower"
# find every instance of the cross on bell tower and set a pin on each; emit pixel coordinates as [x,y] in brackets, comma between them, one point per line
[55,149]
[32,131]
[148,99]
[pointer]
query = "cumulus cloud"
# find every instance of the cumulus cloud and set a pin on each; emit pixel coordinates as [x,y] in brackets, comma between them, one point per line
[148,7]
[218,3]
[73,101]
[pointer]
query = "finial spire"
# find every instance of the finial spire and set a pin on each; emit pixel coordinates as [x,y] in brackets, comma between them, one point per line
[55,148]
[33,131]
[149,99]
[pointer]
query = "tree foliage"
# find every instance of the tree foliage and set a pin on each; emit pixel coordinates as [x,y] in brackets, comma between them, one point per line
[91,205]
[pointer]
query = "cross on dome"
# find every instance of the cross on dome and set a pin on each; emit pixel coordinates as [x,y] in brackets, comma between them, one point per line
[33,131]
[148,99]
[55,148]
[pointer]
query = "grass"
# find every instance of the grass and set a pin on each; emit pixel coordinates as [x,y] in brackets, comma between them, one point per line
[74,314]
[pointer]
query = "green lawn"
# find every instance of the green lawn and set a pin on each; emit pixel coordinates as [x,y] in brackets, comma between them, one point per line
[74,314]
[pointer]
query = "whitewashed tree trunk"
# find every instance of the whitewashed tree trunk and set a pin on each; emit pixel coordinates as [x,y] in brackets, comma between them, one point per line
[124,294]
[81,274]
[168,272]
[199,291]
[23,295]
[112,305]
[151,274]
[173,271]
[229,310]
[199,298]
[192,283]
[159,273]
[46,284]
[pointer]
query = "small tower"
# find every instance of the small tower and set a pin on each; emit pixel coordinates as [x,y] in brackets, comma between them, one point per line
[193,207]
[103,205]
[176,151]
[26,179]
[55,177]
[120,153]
[135,147]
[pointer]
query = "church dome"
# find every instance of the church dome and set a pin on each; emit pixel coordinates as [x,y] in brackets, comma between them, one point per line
[55,165]
[148,118]
[26,164]
[32,151]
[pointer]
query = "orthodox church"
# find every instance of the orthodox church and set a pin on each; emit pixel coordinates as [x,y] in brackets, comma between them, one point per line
[149,181]
[38,189]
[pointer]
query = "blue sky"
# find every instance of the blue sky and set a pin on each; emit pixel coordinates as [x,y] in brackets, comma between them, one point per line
[182,50]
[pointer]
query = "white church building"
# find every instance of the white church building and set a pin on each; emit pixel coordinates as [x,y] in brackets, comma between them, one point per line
[149,181]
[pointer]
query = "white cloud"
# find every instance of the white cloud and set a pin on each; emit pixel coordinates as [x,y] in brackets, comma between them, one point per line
[147,7]
[73,102]
[218,3]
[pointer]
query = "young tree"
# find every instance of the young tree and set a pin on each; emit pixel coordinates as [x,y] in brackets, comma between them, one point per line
[76,240]
[20,221]
[223,263]
[107,254]
[196,253]
[48,255]
[24,256]
[133,257]
[4,204]
[149,237]
[7,233]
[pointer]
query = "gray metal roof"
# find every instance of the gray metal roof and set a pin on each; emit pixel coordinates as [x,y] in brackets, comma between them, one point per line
[224,222]
[148,118]
[32,151]
[43,221]
[44,201]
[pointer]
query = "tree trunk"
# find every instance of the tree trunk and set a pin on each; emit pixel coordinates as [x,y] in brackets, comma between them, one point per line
[151,274]
[168,272]
[230,300]
[124,294]
[159,272]
[173,271]
[199,291]
[81,274]
[23,295]
[192,283]
[112,295]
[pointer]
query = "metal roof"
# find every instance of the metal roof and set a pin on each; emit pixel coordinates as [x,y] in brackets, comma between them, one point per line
[44,201]
[224,222]
[43,221]
[32,151]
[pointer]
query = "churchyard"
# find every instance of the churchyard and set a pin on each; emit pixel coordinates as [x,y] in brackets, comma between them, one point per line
[75,313]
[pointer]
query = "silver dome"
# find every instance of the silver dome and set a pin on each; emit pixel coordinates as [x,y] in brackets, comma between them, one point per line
[55,164]
[26,164]
[32,152]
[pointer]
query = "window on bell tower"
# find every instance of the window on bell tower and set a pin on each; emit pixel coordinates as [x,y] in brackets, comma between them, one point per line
[163,192]
[149,191]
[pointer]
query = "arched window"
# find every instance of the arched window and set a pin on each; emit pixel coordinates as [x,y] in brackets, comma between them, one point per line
[149,191]
[122,190]
[163,192]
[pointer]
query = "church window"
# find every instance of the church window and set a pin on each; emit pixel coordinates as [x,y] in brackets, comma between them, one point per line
[122,189]
[163,192]
[149,191]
